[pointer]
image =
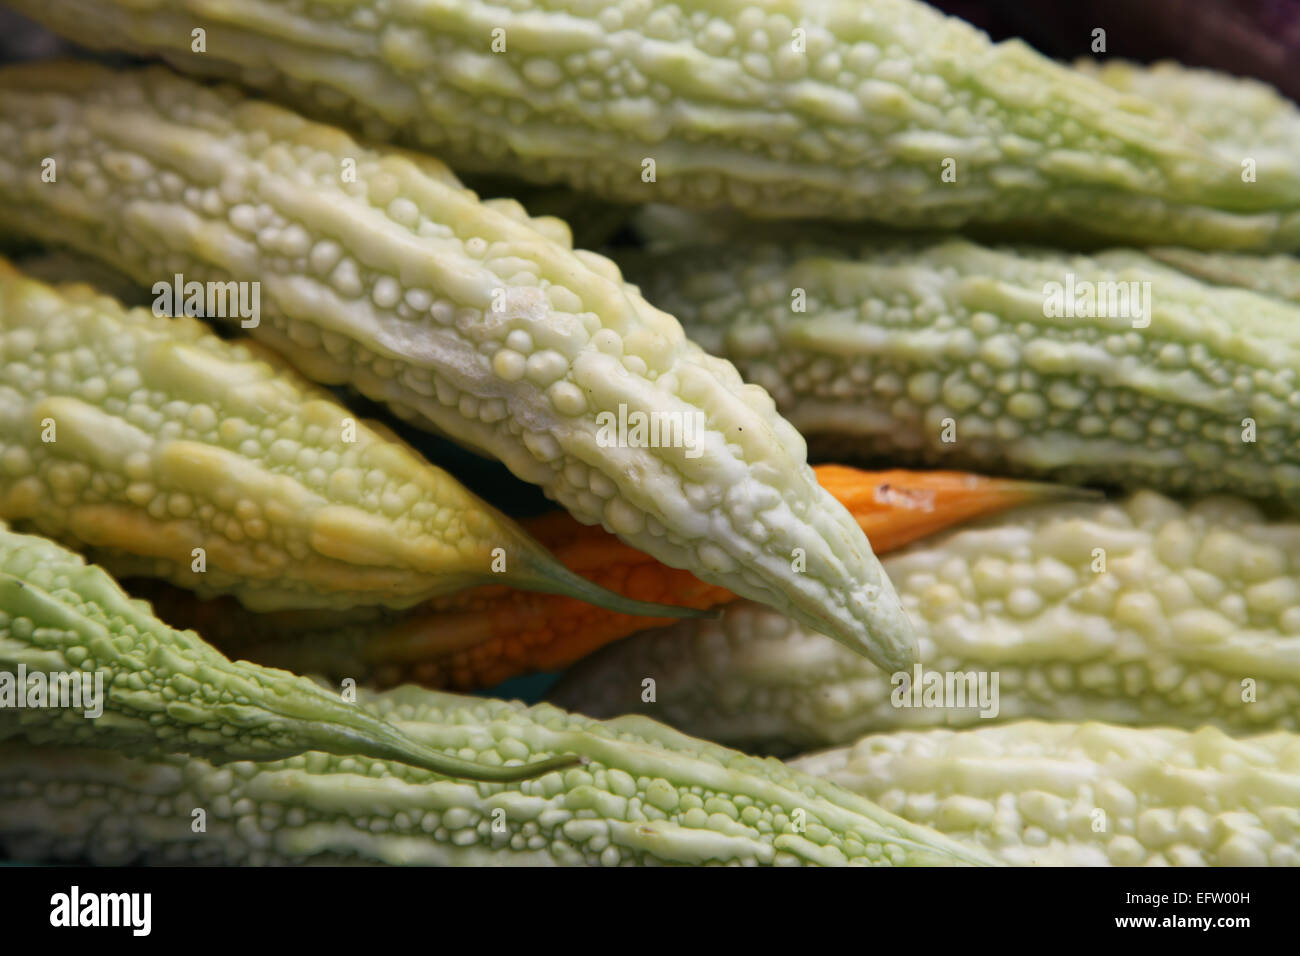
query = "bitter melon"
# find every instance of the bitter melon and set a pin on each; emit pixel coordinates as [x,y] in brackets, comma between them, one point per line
[648,796]
[81,664]
[379,270]
[1109,368]
[166,451]
[1087,794]
[478,638]
[1278,275]
[1241,116]
[1141,612]
[882,109]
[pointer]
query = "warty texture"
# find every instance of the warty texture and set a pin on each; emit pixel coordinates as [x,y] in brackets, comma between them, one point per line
[461,315]
[648,796]
[1141,612]
[164,450]
[1037,794]
[82,664]
[882,109]
[1110,368]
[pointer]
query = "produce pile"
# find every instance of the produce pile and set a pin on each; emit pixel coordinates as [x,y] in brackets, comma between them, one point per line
[1036,326]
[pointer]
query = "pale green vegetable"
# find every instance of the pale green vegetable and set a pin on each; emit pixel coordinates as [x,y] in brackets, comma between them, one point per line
[1140,612]
[379,270]
[166,451]
[82,664]
[1087,794]
[1278,275]
[648,796]
[1242,117]
[881,109]
[1109,368]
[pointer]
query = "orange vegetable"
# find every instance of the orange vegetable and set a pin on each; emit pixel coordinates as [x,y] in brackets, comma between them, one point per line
[481,637]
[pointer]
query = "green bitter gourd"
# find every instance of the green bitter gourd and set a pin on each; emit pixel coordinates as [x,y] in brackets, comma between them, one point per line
[1278,275]
[1087,794]
[881,109]
[1145,611]
[167,451]
[648,796]
[82,664]
[1109,368]
[1241,116]
[379,270]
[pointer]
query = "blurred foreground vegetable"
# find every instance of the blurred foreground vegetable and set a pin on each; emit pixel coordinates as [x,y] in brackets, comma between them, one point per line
[1087,794]
[648,796]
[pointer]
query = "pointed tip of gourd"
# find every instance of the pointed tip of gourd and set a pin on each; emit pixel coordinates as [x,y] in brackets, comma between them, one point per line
[883,636]
[551,577]
[893,656]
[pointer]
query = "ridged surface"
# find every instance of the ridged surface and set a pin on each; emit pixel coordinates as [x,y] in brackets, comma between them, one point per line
[1240,116]
[857,124]
[164,691]
[944,354]
[479,638]
[1278,276]
[142,439]
[648,796]
[1194,620]
[1087,794]
[389,283]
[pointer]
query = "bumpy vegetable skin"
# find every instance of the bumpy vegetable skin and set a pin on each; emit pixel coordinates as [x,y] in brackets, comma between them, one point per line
[884,109]
[957,355]
[1242,117]
[167,451]
[459,314]
[1278,276]
[1194,620]
[479,638]
[1087,794]
[648,796]
[166,691]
